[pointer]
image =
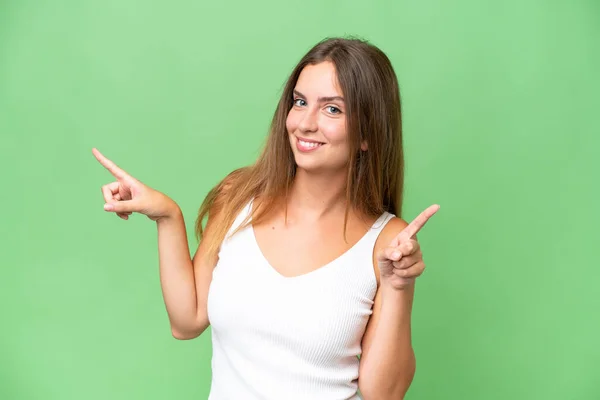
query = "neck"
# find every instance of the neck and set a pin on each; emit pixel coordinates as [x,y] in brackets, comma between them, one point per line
[315,195]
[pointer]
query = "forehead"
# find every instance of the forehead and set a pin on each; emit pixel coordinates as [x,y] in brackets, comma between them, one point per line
[319,80]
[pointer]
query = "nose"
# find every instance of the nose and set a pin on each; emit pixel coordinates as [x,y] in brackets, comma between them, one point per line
[308,123]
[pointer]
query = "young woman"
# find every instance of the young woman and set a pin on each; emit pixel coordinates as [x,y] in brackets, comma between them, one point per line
[304,271]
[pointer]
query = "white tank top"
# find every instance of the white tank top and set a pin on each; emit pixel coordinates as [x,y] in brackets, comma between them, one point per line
[287,338]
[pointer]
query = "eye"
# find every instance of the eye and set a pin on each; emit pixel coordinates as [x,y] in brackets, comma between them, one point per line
[333,110]
[299,102]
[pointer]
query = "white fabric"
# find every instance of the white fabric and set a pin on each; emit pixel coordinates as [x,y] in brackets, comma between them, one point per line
[287,338]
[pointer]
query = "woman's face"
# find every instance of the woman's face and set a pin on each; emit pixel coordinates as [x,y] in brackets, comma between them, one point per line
[316,123]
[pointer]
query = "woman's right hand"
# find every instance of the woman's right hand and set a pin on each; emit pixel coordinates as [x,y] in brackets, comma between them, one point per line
[128,195]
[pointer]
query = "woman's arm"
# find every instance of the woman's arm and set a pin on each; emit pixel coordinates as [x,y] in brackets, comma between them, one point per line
[387,364]
[184,281]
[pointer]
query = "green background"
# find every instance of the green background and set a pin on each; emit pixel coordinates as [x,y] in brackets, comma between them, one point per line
[500,104]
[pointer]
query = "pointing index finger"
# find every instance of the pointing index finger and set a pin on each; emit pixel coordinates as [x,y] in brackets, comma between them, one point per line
[110,166]
[415,226]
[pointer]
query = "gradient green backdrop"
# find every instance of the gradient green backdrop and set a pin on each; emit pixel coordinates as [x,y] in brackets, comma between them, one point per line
[500,105]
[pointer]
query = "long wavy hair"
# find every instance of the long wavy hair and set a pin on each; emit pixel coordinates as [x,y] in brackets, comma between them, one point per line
[375,177]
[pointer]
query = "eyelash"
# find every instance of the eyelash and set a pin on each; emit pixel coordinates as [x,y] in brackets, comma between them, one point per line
[296,102]
[337,110]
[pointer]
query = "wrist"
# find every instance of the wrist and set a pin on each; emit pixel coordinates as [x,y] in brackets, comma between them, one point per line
[396,305]
[173,212]
[389,290]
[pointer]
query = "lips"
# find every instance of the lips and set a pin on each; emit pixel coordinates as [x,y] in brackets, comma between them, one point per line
[305,145]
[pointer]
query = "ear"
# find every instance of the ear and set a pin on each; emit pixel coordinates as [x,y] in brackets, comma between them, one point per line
[364,146]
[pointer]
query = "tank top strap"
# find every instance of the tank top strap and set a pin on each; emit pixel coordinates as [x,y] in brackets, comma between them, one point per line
[246,210]
[373,233]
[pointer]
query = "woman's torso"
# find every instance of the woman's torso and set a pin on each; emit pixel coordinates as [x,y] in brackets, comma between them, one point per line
[289,333]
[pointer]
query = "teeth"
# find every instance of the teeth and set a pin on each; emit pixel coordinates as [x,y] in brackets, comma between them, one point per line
[308,144]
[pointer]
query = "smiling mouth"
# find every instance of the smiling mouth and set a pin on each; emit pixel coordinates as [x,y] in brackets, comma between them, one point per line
[310,145]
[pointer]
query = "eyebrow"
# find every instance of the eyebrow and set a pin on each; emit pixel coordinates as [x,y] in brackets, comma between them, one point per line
[321,99]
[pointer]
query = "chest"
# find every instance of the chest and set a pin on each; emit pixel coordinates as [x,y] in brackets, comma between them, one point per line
[324,312]
[298,249]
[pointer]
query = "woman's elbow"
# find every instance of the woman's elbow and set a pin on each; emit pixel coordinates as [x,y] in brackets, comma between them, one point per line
[187,334]
[396,393]
[390,389]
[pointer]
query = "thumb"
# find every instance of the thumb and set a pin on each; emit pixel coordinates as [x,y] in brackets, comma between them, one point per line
[122,206]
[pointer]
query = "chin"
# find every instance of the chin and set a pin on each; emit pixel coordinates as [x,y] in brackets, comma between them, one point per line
[307,165]
[319,167]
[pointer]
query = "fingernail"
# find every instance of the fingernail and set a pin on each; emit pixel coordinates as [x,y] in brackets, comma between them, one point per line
[109,207]
[395,254]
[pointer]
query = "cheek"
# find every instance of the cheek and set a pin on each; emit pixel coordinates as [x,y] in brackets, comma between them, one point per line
[335,132]
[291,122]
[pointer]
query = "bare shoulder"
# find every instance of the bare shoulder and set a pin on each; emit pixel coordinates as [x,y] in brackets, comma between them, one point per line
[213,209]
[389,232]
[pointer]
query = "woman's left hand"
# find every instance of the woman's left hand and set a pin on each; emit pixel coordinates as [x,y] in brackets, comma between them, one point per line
[402,261]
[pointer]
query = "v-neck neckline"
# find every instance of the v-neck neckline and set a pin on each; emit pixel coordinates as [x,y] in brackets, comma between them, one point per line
[319,269]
